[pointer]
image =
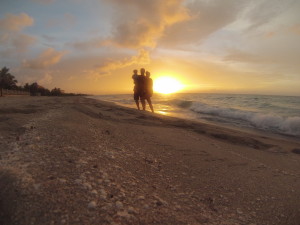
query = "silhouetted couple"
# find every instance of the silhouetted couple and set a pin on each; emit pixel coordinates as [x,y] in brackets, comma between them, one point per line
[143,89]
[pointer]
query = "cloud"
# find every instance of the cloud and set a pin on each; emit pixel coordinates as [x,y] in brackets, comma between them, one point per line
[278,47]
[15,22]
[206,17]
[240,17]
[261,12]
[139,24]
[111,64]
[141,58]
[47,58]
[12,39]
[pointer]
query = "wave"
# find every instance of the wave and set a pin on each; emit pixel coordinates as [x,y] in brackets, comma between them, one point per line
[265,121]
[185,104]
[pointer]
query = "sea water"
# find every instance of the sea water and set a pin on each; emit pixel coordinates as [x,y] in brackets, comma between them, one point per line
[275,114]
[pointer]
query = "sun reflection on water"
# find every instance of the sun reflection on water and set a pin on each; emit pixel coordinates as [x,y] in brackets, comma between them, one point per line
[162,112]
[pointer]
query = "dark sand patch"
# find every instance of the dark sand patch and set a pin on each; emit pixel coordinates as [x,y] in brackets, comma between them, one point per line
[16,110]
[11,195]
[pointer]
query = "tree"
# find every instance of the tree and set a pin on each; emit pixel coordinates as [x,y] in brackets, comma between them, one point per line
[7,80]
[43,91]
[56,92]
[33,88]
[26,87]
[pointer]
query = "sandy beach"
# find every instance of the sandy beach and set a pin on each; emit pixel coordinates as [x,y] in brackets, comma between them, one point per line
[75,160]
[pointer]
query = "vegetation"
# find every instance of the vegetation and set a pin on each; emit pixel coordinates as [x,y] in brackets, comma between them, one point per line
[8,81]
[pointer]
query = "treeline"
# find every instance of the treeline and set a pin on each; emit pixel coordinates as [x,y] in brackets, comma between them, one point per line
[36,89]
[8,81]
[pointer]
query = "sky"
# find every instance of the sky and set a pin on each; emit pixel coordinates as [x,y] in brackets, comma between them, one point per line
[210,46]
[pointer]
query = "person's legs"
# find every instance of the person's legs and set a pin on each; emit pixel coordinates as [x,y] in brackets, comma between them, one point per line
[143,103]
[137,104]
[136,99]
[150,104]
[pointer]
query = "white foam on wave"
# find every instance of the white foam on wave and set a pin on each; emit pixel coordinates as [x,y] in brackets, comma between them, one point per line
[268,121]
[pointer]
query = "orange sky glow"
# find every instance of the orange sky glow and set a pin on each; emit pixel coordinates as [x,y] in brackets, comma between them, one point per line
[92,46]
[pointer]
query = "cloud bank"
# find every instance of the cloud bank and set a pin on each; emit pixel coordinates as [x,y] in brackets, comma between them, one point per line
[136,25]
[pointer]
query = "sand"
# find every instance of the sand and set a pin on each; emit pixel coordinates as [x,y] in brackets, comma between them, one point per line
[75,160]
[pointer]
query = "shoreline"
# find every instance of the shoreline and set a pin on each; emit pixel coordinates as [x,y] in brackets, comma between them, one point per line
[77,160]
[246,120]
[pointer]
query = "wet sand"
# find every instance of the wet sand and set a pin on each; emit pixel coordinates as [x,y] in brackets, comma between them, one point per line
[74,160]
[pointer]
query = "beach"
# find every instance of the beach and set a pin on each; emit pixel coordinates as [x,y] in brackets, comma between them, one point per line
[76,160]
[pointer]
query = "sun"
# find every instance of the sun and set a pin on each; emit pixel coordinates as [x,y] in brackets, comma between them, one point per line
[166,85]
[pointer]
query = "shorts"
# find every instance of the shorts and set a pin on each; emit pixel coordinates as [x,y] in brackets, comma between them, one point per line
[147,95]
[136,96]
[139,95]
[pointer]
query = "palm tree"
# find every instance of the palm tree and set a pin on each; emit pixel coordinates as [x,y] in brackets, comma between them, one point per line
[7,80]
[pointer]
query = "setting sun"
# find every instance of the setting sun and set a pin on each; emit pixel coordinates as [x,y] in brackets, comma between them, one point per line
[167,85]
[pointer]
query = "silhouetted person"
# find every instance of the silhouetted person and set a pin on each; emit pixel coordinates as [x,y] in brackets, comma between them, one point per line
[148,90]
[139,90]
[141,82]
[136,89]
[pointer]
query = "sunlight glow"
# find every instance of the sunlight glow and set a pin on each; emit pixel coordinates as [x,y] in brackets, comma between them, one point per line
[167,85]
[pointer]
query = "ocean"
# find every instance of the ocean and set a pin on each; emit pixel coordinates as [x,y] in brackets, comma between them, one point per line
[273,114]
